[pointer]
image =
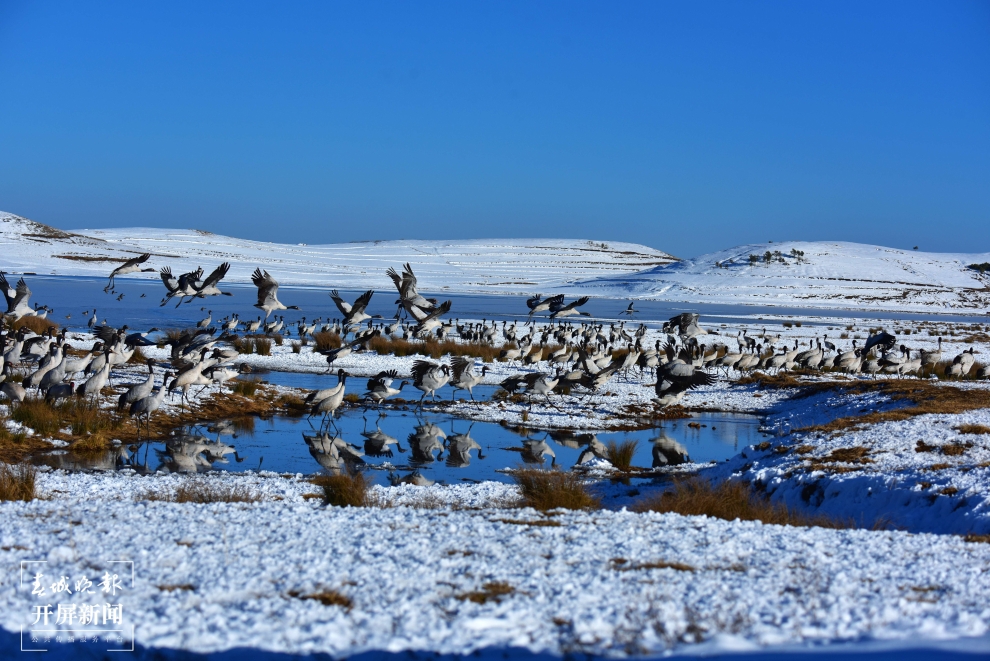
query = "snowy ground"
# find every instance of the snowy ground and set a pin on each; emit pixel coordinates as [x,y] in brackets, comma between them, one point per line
[215,577]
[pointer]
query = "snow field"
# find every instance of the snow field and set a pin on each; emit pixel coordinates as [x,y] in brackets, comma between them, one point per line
[584,586]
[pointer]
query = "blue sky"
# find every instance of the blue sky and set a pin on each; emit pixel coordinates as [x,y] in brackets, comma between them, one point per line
[685,126]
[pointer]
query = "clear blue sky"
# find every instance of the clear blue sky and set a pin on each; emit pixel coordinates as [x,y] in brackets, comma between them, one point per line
[686,126]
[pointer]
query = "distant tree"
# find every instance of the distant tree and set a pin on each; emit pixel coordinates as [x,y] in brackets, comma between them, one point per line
[982,268]
[767,257]
[753,259]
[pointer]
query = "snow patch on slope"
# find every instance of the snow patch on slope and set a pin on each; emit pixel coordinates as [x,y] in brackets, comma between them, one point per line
[830,275]
[491,266]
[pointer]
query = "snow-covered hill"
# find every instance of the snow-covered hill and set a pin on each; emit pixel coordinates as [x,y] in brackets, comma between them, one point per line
[832,275]
[821,275]
[501,266]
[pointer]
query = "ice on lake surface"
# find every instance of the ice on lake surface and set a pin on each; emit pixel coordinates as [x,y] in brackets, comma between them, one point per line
[69,295]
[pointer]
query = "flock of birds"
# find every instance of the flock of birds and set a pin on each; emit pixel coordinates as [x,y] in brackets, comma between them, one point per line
[577,358]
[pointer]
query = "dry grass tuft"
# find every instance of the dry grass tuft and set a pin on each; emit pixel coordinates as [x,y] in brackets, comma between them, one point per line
[138,357]
[263,346]
[973,429]
[621,455]
[729,501]
[244,345]
[539,523]
[621,564]
[17,482]
[296,346]
[34,324]
[247,387]
[326,597]
[492,591]
[552,489]
[326,341]
[977,539]
[80,416]
[344,490]
[201,491]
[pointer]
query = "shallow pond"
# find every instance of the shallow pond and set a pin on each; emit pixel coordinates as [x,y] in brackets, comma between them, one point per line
[440,447]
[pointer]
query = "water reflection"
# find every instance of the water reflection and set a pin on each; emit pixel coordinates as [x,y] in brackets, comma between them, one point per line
[404,447]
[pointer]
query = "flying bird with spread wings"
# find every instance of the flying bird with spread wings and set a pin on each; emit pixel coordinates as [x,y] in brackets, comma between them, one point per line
[268,293]
[130,266]
[17,298]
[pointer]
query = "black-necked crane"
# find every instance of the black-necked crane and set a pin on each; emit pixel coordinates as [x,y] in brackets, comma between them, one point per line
[429,377]
[570,309]
[208,287]
[268,293]
[17,298]
[380,387]
[409,298]
[145,406]
[354,314]
[130,266]
[464,377]
[676,377]
[327,407]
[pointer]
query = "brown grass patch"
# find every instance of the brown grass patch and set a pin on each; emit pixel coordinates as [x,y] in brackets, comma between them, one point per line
[296,346]
[925,398]
[244,345]
[184,587]
[621,455]
[201,491]
[263,346]
[949,491]
[804,449]
[324,341]
[247,387]
[729,501]
[492,591]
[656,564]
[938,467]
[17,482]
[326,597]
[552,489]
[977,539]
[540,523]
[973,429]
[34,324]
[79,416]
[345,490]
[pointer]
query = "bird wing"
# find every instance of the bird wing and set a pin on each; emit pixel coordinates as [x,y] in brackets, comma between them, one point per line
[342,305]
[217,275]
[266,284]
[533,301]
[141,259]
[420,368]
[106,333]
[5,287]
[396,278]
[460,365]
[408,289]
[443,308]
[555,302]
[171,284]
[362,301]
[21,295]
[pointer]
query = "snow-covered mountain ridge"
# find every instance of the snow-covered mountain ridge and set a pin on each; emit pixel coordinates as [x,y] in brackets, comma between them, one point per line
[814,274]
[500,266]
[818,275]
